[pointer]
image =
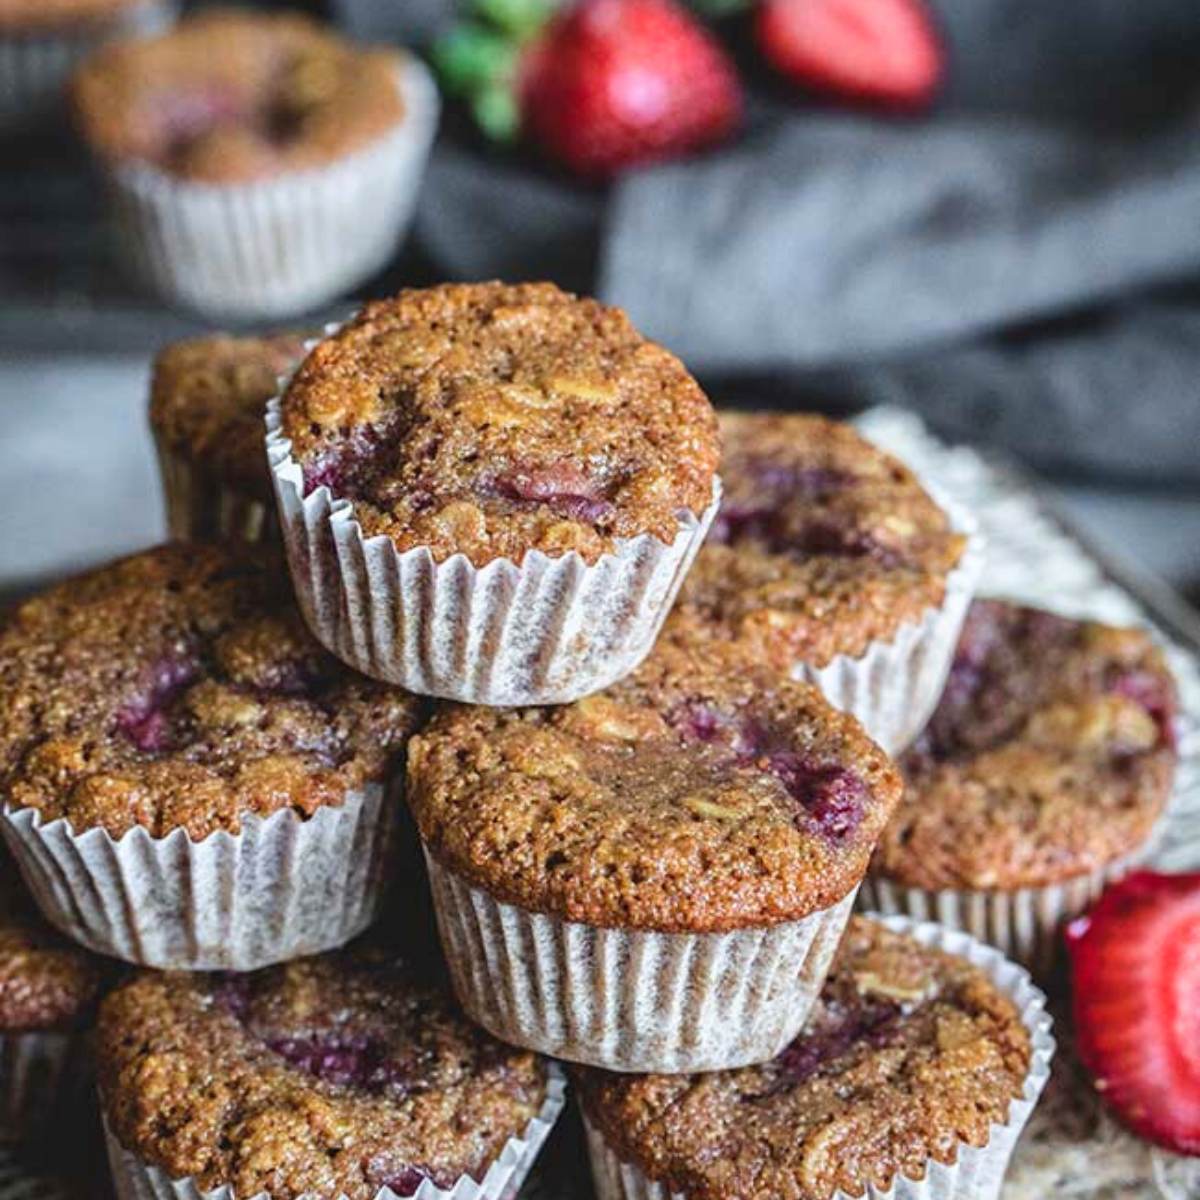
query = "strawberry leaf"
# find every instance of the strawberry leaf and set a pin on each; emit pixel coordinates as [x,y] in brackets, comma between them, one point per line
[470,59]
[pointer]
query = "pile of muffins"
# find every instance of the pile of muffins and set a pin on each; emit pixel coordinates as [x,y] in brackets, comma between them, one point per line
[641,697]
[257,164]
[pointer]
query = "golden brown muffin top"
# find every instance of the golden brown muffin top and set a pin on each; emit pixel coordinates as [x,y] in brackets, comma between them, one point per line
[1051,753]
[179,688]
[823,543]
[208,399]
[47,984]
[699,794]
[330,1076]
[491,419]
[232,95]
[909,1053]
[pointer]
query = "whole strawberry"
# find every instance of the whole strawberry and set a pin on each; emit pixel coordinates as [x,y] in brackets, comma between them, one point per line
[604,85]
[884,52]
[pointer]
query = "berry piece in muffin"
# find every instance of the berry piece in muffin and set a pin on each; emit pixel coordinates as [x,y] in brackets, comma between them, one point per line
[492,419]
[822,545]
[1051,754]
[232,96]
[697,795]
[909,1054]
[1136,976]
[178,688]
[331,1076]
[208,396]
[47,985]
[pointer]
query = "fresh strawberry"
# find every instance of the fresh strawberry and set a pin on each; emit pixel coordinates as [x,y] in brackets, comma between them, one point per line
[880,51]
[607,84]
[1136,974]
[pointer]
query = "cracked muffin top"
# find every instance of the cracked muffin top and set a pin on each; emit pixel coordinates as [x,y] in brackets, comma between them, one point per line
[231,96]
[822,545]
[329,1076]
[908,1052]
[1051,753]
[208,399]
[47,984]
[697,795]
[492,419]
[179,688]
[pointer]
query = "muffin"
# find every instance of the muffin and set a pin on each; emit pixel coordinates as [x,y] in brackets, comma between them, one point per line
[48,994]
[208,396]
[42,41]
[653,878]
[1041,777]
[190,780]
[829,560]
[918,1067]
[259,163]
[342,1075]
[490,492]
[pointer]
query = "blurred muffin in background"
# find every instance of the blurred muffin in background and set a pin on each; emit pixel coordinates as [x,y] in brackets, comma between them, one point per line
[208,396]
[259,163]
[42,41]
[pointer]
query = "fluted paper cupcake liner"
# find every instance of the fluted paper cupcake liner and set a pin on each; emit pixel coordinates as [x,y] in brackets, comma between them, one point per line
[41,1076]
[201,506]
[34,67]
[977,1172]
[283,887]
[280,246]
[545,632]
[138,1180]
[1025,923]
[631,1000]
[893,688]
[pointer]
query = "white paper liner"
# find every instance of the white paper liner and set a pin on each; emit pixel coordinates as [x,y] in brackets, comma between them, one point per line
[546,632]
[137,1180]
[978,1171]
[1025,923]
[281,246]
[893,688]
[200,506]
[631,1000]
[34,67]
[41,1074]
[282,888]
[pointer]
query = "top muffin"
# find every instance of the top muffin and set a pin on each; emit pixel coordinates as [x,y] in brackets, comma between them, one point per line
[492,419]
[208,396]
[823,543]
[230,96]
[699,794]
[179,688]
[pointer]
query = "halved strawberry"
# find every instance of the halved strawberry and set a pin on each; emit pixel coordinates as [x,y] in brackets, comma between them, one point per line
[883,51]
[1136,975]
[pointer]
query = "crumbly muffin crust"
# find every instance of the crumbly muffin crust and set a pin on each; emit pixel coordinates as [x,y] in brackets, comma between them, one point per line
[1051,753]
[823,543]
[47,984]
[697,795]
[64,16]
[178,688]
[908,1053]
[330,1076]
[230,96]
[208,398]
[491,419]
